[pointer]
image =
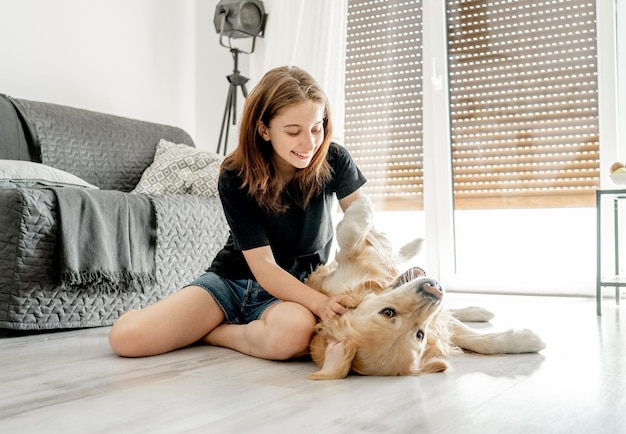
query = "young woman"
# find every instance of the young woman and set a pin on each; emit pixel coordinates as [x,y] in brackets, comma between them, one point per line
[277,189]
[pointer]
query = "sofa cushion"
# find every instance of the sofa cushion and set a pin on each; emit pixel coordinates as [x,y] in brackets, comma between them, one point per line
[15,173]
[180,169]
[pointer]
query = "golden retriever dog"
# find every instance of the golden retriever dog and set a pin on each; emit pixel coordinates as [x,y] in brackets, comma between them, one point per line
[395,324]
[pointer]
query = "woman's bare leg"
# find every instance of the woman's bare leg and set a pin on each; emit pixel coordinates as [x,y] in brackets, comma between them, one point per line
[283,331]
[175,322]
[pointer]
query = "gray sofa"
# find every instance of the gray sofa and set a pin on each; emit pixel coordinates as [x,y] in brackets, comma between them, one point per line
[169,238]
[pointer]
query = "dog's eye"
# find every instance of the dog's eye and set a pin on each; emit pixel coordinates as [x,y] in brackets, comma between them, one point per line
[420,335]
[388,312]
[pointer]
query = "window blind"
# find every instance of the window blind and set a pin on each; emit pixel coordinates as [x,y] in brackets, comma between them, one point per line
[383,125]
[523,101]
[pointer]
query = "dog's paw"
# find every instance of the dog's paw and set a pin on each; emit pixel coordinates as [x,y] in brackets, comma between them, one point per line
[472,314]
[411,249]
[526,341]
[515,341]
[356,224]
[361,210]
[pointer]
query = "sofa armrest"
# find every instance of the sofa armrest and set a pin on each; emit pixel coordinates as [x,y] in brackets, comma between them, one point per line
[190,231]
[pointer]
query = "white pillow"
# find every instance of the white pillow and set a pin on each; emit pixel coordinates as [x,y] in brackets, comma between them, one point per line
[180,169]
[16,173]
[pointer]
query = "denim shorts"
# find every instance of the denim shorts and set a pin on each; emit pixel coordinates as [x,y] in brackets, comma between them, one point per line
[242,301]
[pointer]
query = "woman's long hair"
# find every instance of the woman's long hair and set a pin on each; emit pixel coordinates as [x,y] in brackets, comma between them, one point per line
[253,159]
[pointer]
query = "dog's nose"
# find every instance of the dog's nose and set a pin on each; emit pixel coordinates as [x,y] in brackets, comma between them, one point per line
[429,287]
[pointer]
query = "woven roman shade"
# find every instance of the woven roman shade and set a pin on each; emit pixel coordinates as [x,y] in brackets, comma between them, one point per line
[523,102]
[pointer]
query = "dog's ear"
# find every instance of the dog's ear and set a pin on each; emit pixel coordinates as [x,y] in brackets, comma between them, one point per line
[433,365]
[337,361]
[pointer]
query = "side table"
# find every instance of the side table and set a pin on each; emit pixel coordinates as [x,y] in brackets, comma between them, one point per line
[617,279]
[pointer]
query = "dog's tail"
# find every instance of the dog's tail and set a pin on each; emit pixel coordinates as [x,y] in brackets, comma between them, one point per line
[411,249]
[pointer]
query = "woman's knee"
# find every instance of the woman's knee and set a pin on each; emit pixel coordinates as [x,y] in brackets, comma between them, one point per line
[126,335]
[293,340]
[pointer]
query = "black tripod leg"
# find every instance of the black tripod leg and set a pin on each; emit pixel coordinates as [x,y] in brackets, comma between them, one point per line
[233,104]
[230,115]
[225,120]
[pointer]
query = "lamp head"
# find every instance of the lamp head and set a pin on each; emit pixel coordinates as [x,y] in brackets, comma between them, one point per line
[240,18]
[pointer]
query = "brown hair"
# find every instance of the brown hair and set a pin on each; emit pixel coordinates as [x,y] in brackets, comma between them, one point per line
[253,159]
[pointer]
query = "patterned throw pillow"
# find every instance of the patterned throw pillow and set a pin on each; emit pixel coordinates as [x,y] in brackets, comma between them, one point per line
[180,169]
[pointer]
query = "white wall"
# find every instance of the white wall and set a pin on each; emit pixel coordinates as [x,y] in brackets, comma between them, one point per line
[155,60]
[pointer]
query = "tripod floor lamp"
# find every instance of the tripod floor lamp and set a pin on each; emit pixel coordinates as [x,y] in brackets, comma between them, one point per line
[237,19]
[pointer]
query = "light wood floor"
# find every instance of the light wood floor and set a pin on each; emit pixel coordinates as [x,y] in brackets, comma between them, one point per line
[70,382]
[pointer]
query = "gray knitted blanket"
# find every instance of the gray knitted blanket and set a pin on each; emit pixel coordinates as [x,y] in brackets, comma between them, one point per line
[106,239]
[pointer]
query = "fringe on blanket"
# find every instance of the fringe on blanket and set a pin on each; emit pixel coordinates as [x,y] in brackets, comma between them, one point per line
[109,282]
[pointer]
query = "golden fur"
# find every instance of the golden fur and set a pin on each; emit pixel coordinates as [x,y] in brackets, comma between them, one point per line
[395,326]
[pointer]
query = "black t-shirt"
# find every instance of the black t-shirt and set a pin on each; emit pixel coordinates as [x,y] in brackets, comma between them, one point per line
[301,239]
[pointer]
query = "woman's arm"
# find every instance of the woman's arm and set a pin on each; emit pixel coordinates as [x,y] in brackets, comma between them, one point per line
[284,286]
[347,201]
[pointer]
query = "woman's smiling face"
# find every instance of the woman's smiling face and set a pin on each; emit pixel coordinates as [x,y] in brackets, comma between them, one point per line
[296,134]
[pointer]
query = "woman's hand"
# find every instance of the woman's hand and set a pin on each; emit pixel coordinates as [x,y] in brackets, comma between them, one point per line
[329,307]
[284,286]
